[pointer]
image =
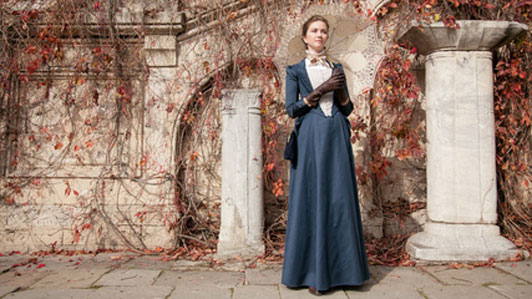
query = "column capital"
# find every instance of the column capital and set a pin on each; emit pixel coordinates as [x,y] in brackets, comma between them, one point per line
[473,35]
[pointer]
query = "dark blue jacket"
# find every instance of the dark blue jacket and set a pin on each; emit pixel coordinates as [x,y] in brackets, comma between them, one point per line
[298,86]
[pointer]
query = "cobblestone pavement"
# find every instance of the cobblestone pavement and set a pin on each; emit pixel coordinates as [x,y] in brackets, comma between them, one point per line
[122,275]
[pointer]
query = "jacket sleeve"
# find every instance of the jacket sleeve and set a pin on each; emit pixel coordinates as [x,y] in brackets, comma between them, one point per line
[347,108]
[295,106]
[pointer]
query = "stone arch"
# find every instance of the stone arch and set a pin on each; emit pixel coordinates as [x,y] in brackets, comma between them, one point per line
[196,139]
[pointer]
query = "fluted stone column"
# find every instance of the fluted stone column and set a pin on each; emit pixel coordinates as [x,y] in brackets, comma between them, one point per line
[242,187]
[461,168]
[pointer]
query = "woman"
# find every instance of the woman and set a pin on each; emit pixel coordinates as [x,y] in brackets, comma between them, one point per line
[324,244]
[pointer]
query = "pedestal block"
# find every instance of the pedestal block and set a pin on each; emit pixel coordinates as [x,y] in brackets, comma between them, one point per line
[461,168]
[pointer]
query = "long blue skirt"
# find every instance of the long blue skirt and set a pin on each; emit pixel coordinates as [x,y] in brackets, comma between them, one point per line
[324,244]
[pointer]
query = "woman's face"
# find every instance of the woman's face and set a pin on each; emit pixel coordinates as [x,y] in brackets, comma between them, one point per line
[316,36]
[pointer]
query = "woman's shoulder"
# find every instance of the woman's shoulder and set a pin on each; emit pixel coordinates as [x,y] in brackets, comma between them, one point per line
[293,66]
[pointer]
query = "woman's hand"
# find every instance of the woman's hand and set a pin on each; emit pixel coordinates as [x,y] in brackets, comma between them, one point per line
[335,82]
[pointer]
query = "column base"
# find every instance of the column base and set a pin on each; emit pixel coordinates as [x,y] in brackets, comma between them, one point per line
[230,249]
[460,242]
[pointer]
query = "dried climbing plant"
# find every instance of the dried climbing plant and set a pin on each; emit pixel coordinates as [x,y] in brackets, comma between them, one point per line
[102,95]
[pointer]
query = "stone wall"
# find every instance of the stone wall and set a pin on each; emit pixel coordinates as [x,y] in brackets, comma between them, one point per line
[102,181]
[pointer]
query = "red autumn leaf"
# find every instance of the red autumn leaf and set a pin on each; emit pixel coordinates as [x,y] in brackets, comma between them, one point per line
[89,144]
[31,68]
[194,156]
[31,49]
[40,266]
[58,145]
[170,107]
[77,236]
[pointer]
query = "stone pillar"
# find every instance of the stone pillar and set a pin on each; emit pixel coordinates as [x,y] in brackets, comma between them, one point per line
[161,52]
[242,200]
[461,168]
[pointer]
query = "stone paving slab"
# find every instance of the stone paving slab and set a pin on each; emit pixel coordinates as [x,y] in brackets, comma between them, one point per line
[194,279]
[395,290]
[460,291]
[263,276]
[71,279]
[134,292]
[52,294]
[42,264]
[256,292]
[186,265]
[522,269]
[6,290]
[7,261]
[58,263]
[25,280]
[303,293]
[118,276]
[104,260]
[149,262]
[384,274]
[128,277]
[514,291]
[476,276]
[203,292]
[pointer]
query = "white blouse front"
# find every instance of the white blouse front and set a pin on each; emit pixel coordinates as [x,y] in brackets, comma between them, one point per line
[319,73]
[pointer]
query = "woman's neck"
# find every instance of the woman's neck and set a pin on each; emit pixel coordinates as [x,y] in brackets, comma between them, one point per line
[313,52]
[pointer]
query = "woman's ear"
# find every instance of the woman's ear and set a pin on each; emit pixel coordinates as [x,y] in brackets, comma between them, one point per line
[304,43]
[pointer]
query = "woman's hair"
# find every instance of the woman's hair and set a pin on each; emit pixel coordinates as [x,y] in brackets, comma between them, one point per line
[311,20]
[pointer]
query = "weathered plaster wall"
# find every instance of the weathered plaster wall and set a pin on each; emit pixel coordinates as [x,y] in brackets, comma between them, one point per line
[87,194]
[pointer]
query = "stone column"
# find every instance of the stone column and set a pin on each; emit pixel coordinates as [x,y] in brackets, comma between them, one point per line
[242,201]
[461,174]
